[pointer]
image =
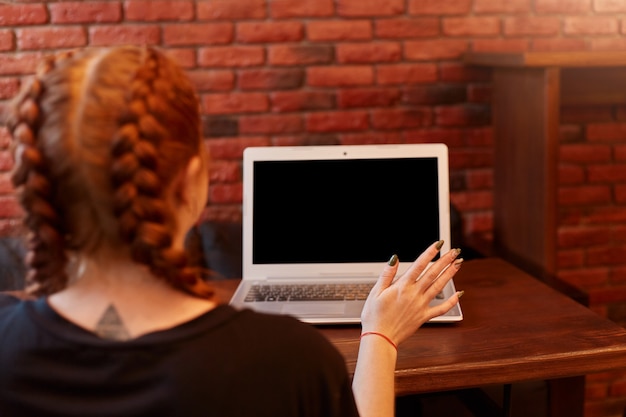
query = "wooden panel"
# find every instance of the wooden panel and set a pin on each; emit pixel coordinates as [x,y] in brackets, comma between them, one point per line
[548,59]
[525,116]
[593,86]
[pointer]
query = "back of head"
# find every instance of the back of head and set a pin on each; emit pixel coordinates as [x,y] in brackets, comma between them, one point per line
[99,135]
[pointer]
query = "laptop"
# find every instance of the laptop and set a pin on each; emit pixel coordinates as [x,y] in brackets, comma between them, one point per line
[323,218]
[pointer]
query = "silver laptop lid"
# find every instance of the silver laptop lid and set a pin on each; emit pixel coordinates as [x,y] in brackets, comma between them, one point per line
[317,211]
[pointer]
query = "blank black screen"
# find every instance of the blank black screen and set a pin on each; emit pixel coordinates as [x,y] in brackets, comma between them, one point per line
[339,211]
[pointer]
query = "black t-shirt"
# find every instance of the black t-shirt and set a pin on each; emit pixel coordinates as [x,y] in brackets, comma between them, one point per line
[223,363]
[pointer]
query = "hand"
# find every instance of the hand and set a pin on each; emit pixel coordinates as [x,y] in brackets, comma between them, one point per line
[398,308]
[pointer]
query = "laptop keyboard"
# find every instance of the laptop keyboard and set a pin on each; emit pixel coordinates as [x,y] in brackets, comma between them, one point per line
[308,292]
[311,292]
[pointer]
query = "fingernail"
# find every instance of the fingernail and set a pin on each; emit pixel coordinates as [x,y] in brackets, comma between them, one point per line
[458,263]
[439,245]
[459,294]
[458,251]
[393,260]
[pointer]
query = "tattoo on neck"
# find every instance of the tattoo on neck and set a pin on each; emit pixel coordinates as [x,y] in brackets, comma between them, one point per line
[110,326]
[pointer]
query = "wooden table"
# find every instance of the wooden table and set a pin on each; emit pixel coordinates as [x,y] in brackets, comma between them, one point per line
[529,89]
[515,329]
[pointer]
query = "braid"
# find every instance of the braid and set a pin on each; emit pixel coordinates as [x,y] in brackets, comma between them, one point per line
[46,259]
[145,220]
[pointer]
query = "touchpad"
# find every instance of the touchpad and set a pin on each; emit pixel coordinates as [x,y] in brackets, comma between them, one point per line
[315,309]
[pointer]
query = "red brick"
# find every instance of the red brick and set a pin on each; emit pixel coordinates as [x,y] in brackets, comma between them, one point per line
[571,175]
[479,93]
[605,214]
[434,94]
[5,138]
[403,74]
[586,278]
[606,173]
[471,26]
[235,103]
[6,186]
[585,195]
[609,6]
[343,76]
[440,7]
[51,37]
[558,44]
[270,124]
[225,193]
[451,137]
[198,34]
[570,259]
[307,139]
[479,179]
[235,56]
[339,30]
[607,44]
[158,10]
[8,87]
[590,25]
[212,80]
[123,35]
[85,12]
[606,132]
[6,40]
[286,101]
[620,193]
[584,153]
[232,148]
[582,114]
[428,50]
[499,6]
[337,121]
[571,133]
[582,236]
[500,45]
[19,63]
[480,136]
[470,158]
[265,32]
[359,53]
[457,72]
[372,8]
[22,14]
[619,152]
[271,79]
[231,10]
[473,200]
[401,118]
[300,54]
[285,9]
[224,171]
[407,28]
[478,222]
[603,256]
[184,57]
[567,7]
[529,26]
[368,138]
[368,97]
[462,115]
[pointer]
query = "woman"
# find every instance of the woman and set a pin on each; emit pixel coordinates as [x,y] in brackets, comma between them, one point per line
[111,172]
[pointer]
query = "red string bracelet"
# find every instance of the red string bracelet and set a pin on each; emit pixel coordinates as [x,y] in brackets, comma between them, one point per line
[381,335]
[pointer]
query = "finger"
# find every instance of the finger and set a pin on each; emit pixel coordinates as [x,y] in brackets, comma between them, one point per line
[433,272]
[422,262]
[439,282]
[389,272]
[445,306]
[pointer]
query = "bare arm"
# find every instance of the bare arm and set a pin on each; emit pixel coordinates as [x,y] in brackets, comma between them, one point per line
[395,310]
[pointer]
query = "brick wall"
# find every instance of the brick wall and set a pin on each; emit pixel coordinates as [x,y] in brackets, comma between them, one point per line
[305,72]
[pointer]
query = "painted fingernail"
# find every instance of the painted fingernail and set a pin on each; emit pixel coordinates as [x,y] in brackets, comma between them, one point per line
[393,260]
[457,251]
[439,245]
[459,294]
[458,263]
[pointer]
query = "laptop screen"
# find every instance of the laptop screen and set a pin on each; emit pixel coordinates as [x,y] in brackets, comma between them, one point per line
[344,210]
